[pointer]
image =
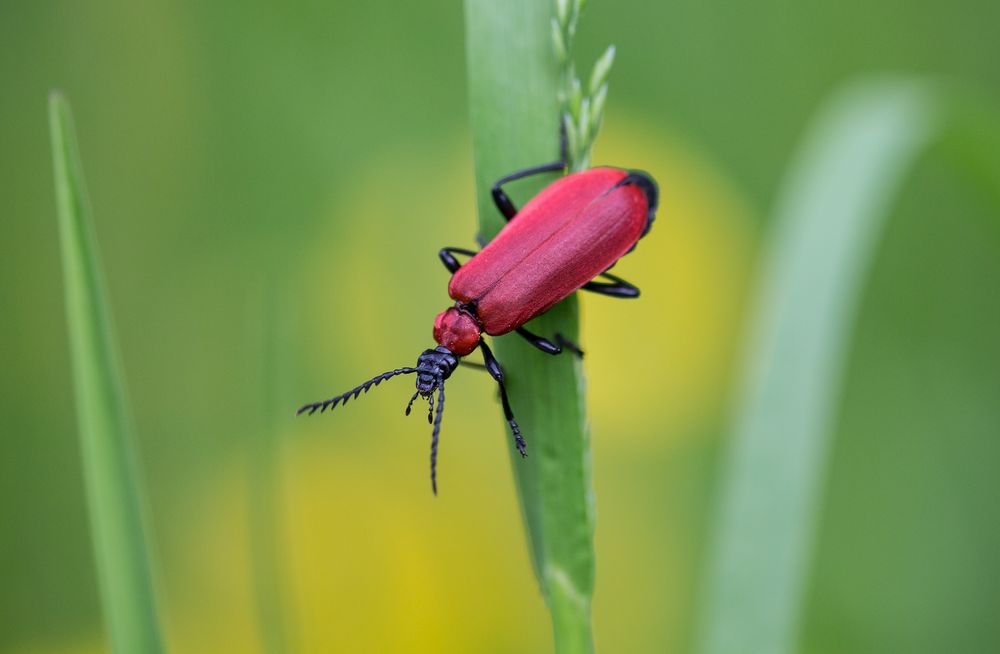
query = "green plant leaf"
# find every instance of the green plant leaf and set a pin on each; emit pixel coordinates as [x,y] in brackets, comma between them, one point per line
[110,471]
[513,82]
[833,207]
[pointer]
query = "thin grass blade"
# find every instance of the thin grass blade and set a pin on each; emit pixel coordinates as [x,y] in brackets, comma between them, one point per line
[110,469]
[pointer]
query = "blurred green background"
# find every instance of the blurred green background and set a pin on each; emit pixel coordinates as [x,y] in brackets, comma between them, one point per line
[270,185]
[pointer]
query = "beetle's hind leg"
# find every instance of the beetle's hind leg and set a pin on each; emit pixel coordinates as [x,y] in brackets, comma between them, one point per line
[500,197]
[617,287]
[547,346]
[447,256]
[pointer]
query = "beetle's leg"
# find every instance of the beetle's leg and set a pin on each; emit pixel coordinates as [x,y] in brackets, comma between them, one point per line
[617,287]
[569,345]
[493,367]
[447,256]
[500,197]
[547,346]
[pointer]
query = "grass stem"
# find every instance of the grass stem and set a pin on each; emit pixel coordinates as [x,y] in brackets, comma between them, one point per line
[513,82]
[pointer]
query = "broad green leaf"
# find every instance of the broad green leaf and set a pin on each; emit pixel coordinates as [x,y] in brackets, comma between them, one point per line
[829,216]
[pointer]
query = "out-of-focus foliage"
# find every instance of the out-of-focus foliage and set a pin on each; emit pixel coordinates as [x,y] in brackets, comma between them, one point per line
[830,214]
[325,146]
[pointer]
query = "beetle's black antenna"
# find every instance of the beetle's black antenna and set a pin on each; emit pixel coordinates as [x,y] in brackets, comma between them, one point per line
[430,408]
[434,438]
[355,392]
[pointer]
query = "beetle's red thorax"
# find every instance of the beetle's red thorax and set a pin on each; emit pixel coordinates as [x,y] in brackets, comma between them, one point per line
[457,330]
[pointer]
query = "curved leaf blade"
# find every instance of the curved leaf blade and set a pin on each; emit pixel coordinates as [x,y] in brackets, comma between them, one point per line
[110,470]
[830,214]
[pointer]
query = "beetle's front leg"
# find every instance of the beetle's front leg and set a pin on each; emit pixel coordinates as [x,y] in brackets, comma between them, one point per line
[496,372]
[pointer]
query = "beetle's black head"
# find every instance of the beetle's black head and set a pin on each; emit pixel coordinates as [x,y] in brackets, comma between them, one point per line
[433,367]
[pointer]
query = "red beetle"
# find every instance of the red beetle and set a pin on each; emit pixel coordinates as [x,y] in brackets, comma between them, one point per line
[565,237]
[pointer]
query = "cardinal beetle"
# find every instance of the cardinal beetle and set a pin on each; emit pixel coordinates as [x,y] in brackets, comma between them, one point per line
[568,235]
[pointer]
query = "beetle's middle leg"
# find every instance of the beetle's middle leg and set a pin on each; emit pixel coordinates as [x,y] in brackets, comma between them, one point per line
[547,346]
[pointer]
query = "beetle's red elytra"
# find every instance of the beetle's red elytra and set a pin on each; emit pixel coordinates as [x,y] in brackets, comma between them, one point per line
[563,239]
[571,232]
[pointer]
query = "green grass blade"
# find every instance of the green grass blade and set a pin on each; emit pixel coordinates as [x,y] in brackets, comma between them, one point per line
[110,470]
[833,207]
[515,123]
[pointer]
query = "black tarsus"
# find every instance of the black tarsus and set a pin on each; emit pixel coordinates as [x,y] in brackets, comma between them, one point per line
[434,438]
[500,197]
[447,256]
[547,346]
[618,287]
[493,367]
[355,392]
